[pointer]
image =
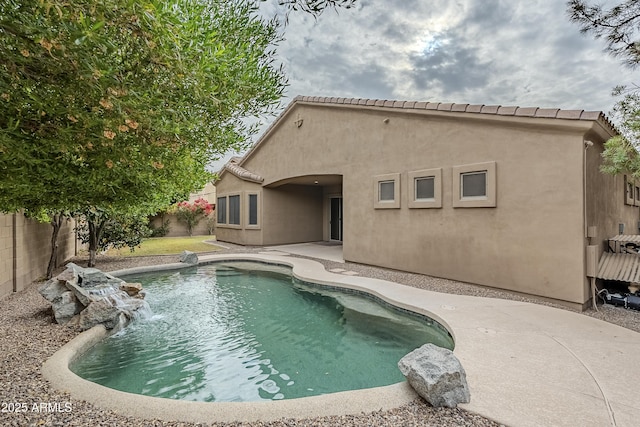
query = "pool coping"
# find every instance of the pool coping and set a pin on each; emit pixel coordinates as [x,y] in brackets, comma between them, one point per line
[56,368]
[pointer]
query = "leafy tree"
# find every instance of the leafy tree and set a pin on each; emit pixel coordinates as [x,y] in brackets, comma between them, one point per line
[192,213]
[116,105]
[619,26]
[104,230]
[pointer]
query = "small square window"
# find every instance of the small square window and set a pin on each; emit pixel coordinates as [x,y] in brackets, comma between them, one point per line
[386,190]
[474,184]
[425,188]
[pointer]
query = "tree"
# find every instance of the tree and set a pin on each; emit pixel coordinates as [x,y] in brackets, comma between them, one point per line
[119,104]
[192,213]
[103,230]
[619,26]
[315,7]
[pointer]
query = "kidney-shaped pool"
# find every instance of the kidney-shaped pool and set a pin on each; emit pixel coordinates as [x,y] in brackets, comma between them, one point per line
[250,331]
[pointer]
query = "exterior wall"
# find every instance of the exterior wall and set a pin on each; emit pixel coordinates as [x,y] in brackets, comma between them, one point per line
[25,250]
[239,235]
[606,207]
[295,214]
[531,242]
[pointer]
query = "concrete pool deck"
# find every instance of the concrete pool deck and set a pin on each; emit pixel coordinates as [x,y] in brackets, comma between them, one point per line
[526,364]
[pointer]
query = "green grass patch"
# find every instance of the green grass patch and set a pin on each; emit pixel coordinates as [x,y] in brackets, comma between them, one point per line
[167,246]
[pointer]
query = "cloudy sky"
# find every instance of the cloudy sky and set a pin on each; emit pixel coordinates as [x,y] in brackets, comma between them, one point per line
[498,52]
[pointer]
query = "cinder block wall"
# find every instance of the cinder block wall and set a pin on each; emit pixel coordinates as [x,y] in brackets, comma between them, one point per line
[25,248]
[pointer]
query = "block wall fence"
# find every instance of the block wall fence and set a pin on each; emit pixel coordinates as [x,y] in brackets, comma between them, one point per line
[25,248]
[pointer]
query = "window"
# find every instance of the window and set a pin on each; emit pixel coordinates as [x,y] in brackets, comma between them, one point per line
[253,209]
[474,185]
[629,190]
[221,209]
[386,190]
[425,188]
[234,210]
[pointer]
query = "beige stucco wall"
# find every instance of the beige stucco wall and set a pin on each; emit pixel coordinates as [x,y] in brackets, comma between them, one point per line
[532,241]
[25,250]
[606,207]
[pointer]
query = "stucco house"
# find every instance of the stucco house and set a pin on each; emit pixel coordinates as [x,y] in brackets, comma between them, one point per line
[506,197]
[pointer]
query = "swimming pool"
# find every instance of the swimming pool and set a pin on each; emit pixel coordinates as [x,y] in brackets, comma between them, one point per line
[240,331]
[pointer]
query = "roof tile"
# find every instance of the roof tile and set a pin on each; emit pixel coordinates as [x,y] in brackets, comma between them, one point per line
[547,112]
[490,109]
[569,114]
[432,105]
[507,111]
[474,108]
[459,108]
[420,105]
[409,104]
[526,111]
[445,106]
[380,102]
[388,103]
[371,102]
[590,115]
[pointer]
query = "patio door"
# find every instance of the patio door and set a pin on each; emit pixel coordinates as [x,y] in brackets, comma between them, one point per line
[335,219]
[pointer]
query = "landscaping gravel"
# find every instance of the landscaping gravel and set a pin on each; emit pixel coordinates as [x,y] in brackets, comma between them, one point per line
[28,337]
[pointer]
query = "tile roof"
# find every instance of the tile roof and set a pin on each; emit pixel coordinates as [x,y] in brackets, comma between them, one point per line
[233,167]
[553,113]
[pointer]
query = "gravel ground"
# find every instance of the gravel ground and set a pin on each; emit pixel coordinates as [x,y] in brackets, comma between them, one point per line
[28,337]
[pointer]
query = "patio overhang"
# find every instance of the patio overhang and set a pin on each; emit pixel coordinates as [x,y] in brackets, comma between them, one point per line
[320,180]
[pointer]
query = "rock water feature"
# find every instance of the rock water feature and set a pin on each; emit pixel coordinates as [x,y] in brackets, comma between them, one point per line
[87,297]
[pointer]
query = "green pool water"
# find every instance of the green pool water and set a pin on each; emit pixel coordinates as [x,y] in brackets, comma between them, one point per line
[250,331]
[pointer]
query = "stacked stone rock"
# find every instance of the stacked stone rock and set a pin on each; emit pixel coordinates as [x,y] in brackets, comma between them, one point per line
[86,297]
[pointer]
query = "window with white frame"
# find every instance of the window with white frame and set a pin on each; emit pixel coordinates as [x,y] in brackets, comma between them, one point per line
[221,210]
[386,190]
[425,188]
[234,210]
[474,185]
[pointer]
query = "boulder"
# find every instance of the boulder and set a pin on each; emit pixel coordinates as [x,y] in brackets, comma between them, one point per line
[189,257]
[98,297]
[436,375]
[100,311]
[65,306]
[132,289]
[52,289]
